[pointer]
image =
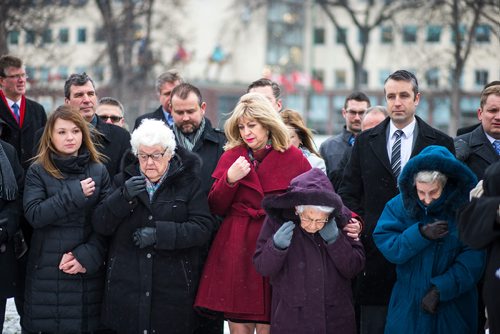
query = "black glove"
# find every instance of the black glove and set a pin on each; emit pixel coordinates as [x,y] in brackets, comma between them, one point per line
[435,230]
[144,237]
[431,300]
[283,235]
[134,186]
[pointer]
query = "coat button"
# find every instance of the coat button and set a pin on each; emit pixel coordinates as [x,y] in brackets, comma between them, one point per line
[147,293]
[150,217]
[148,255]
[145,331]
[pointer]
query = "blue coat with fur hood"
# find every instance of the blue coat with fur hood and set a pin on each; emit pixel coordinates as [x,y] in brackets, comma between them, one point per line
[311,280]
[421,263]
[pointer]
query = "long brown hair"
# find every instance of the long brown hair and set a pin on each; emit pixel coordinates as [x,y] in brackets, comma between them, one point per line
[293,119]
[46,147]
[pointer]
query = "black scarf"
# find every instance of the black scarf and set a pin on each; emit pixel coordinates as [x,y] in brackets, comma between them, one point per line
[73,164]
[8,184]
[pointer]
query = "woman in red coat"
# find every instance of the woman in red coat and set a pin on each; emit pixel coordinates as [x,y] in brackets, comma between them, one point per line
[258,161]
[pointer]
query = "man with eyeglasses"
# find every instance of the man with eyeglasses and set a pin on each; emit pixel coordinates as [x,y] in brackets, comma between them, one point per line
[111,111]
[79,91]
[20,118]
[332,150]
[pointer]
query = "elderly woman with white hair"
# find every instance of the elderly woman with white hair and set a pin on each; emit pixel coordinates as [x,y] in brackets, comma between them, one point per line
[158,219]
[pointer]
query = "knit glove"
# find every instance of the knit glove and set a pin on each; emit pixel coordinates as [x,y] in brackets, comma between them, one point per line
[283,236]
[477,191]
[134,186]
[330,232]
[431,300]
[144,237]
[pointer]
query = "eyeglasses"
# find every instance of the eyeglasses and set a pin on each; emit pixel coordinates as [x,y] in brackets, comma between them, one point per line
[113,118]
[155,156]
[17,76]
[309,220]
[353,113]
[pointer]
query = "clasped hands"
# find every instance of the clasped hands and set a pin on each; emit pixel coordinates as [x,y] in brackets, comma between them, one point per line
[70,265]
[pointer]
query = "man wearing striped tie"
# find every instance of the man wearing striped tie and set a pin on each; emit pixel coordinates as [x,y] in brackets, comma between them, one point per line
[370,180]
[20,118]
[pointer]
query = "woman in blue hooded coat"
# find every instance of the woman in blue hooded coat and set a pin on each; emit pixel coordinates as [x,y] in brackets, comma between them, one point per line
[435,291]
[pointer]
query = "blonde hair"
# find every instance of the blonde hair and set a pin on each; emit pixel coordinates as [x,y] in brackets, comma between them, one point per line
[293,119]
[46,148]
[255,106]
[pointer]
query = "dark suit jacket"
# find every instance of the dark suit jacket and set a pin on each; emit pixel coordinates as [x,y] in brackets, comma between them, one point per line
[23,139]
[157,114]
[367,185]
[481,153]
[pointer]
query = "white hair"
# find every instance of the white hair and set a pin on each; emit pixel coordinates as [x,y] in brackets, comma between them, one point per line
[430,176]
[322,208]
[153,132]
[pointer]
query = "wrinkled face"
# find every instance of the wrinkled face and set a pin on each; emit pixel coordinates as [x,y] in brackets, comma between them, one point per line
[66,137]
[267,91]
[294,137]
[153,161]
[14,82]
[428,192]
[110,114]
[164,94]
[312,220]
[84,98]
[489,115]
[401,102]
[354,115]
[188,113]
[253,133]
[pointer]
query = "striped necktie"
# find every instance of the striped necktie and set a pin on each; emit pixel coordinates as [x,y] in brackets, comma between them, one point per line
[496,146]
[396,154]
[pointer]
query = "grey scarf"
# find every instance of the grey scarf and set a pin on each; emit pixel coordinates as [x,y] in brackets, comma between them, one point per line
[184,140]
[8,185]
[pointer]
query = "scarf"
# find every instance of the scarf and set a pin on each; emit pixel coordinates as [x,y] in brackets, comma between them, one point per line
[151,187]
[186,141]
[8,184]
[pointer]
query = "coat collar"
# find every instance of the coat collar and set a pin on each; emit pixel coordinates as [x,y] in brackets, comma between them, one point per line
[481,146]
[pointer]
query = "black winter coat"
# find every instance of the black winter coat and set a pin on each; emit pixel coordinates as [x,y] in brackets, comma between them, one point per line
[152,290]
[367,185]
[60,214]
[11,210]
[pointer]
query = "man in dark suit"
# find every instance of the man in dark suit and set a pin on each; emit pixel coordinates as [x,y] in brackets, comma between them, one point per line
[194,132]
[79,91]
[21,116]
[478,147]
[370,180]
[165,83]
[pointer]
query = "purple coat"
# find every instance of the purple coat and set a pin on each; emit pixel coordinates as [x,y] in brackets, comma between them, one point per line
[311,281]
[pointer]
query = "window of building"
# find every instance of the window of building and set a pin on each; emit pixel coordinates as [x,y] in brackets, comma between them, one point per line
[382,75]
[363,36]
[81,69]
[433,34]
[47,36]
[98,72]
[30,72]
[81,35]
[319,35]
[99,35]
[64,35]
[13,37]
[386,35]
[44,74]
[432,77]
[481,77]
[340,78]
[482,33]
[341,35]
[410,34]
[364,77]
[461,33]
[63,72]
[30,37]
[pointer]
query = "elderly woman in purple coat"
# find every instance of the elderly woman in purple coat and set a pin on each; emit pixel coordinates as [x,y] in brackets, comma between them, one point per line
[309,259]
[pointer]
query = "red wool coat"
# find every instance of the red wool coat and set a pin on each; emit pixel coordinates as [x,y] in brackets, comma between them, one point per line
[230,283]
